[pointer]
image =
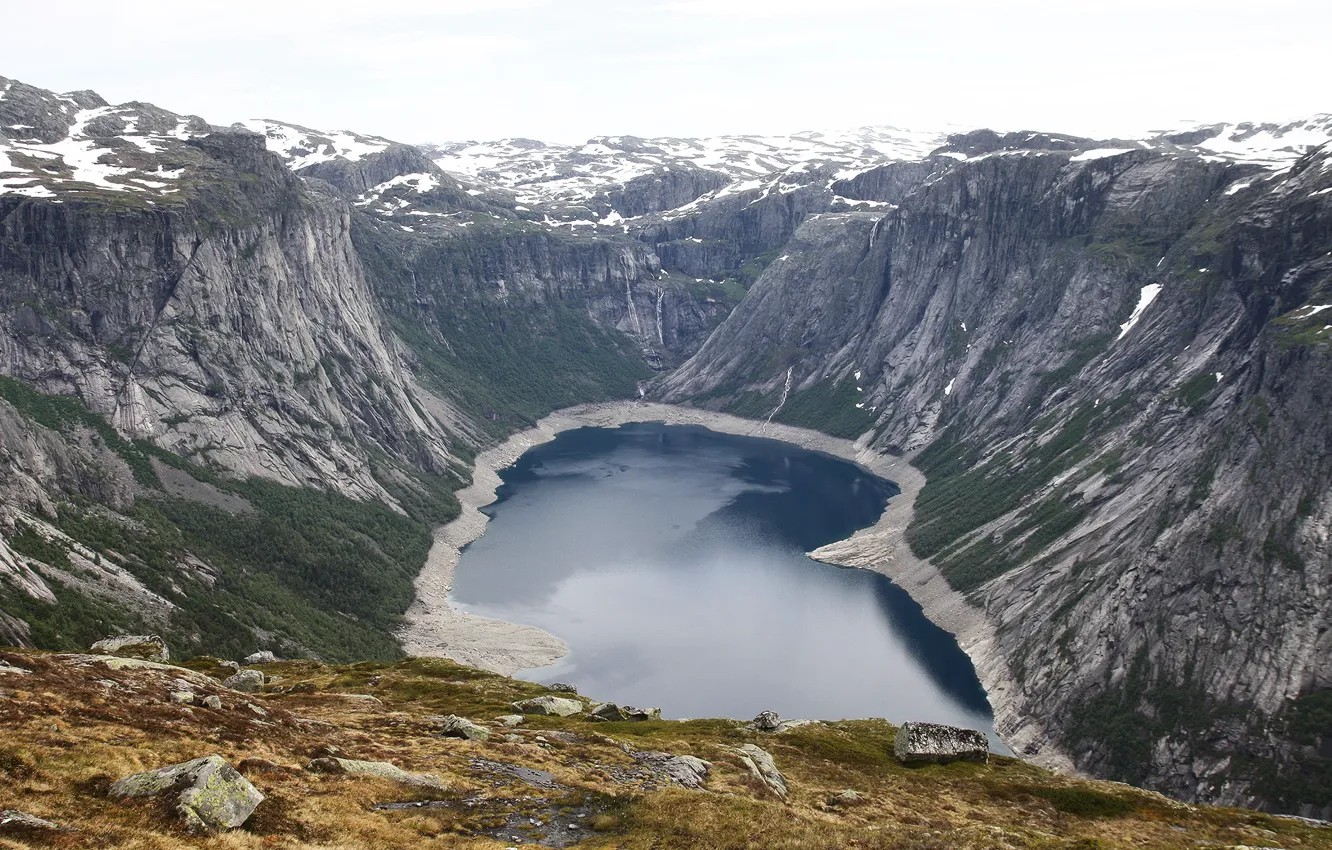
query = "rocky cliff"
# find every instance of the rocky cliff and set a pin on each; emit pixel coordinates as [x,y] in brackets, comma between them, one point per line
[1112,365]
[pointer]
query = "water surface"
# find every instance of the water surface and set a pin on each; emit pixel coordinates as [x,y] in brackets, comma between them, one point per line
[671,560]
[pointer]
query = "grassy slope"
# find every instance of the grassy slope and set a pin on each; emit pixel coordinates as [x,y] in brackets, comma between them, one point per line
[68,736]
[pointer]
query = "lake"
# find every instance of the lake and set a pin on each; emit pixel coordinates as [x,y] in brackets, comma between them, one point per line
[671,560]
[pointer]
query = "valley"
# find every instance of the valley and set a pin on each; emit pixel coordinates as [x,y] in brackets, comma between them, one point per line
[256,376]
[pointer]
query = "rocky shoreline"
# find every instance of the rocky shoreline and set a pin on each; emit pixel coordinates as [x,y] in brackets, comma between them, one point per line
[435,628]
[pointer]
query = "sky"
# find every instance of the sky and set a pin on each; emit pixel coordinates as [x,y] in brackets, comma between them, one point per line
[567,70]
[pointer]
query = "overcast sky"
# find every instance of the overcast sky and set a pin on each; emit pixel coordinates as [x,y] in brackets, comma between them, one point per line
[565,70]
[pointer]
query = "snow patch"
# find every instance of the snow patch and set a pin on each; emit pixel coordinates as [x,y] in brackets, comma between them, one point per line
[1099,153]
[1145,298]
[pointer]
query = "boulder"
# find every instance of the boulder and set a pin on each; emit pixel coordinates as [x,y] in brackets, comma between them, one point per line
[454,726]
[561,688]
[261,657]
[559,706]
[16,823]
[181,697]
[764,768]
[246,681]
[143,647]
[606,712]
[510,720]
[688,771]
[211,701]
[935,742]
[767,721]
[207,793]
[640,714]
[379,769]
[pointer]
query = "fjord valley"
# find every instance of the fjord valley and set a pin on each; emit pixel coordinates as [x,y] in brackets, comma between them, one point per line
[259,380]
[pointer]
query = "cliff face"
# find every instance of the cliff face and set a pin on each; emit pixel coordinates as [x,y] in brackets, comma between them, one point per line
[233,325]
[1119,364]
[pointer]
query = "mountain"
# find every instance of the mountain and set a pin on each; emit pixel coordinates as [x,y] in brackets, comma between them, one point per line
[245,368]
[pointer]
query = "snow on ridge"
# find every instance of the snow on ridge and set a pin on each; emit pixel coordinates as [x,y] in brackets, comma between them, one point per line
[302,147]
[1099,153]
[420,182]
[1273,146]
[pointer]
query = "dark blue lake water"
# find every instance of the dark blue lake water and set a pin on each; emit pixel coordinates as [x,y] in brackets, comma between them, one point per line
[671,560]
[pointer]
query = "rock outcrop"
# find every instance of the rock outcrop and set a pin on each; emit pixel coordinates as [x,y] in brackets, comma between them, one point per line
[940,744]
[548,705]
[146,647]
[208,794]
[763,768]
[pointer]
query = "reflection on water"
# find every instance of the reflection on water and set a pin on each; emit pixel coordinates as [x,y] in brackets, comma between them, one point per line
[671,560]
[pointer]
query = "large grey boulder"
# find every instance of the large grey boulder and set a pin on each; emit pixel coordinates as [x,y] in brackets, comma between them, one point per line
[454,726]
[561,688]
[262,657]
[379,769]
[207,793]
[764,768]
[559,706]
[144,647]
[607,712]
[641,714]
[935,742]
[246,681]
[767,721]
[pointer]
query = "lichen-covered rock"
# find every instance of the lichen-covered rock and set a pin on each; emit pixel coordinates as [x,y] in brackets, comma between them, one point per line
[846,798]
[761,764]
[561,688]
[454,726]
[510,720]
[208,794]
[935,742]
[211,701]
[262,657]
[246,681]
[379,769]
[144,647]
[559,706]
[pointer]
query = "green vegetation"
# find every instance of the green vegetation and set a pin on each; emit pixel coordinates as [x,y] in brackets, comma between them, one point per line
[509,366]
[318,571]
[827,407]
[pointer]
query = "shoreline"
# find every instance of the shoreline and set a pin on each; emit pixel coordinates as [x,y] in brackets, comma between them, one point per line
[433,627]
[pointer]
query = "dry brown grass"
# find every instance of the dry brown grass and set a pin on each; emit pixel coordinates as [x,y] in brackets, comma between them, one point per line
[67,736]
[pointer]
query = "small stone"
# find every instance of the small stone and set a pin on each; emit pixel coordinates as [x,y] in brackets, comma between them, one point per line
[846,798]
[230,665]
[261,657]
[212,701]
[326,751]
[547,705]
[454,726]
[940,744]
[767,721]
[246,681]
[510,720]
[561,688]
[256,709]
[181,697]
[513,739]
[142,647]
[208,794]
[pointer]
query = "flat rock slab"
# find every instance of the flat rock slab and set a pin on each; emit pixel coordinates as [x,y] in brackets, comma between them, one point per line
[209,794]
[379,769]
[246,681]
[529,775]
[521,821]
[558,706]
[14,822]
[940,744]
